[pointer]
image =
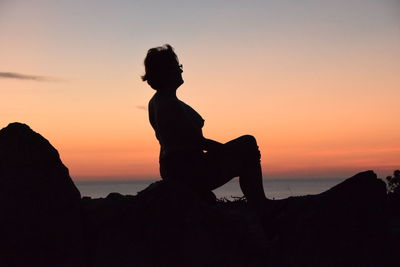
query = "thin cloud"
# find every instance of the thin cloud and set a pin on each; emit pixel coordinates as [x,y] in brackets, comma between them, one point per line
[19,76]
[141,107]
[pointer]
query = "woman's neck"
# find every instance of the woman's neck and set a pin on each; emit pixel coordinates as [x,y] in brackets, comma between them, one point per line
[167,92]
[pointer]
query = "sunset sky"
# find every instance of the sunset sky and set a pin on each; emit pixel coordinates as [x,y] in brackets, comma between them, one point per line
[316,82]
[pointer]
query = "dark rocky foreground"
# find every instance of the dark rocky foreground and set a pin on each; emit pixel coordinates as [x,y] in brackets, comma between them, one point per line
[45,222]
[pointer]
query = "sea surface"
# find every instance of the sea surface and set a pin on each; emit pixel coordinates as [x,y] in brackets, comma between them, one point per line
[274,188]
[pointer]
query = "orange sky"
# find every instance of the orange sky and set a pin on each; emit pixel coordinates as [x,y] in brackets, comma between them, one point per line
[317,85]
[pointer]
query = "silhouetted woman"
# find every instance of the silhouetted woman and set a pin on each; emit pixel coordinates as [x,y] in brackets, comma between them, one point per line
[186,155]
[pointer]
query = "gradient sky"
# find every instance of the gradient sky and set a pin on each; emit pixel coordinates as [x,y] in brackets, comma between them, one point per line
[317,82]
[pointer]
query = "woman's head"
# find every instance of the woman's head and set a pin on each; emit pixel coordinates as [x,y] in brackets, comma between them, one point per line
[163,71]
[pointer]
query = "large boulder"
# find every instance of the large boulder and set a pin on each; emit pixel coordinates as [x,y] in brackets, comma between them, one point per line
[40,222]
[167,224]
[343,226]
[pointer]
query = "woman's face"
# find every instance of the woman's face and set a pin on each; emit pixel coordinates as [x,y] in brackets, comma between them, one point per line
[175,75]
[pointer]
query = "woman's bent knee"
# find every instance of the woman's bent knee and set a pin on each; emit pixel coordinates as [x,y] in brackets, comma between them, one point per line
[244,147]
[250,142]
[250,148]
[249,139]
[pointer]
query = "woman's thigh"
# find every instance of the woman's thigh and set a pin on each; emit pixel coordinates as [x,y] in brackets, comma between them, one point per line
[213,168]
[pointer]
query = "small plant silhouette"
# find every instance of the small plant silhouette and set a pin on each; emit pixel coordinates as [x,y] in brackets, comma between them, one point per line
[394,183]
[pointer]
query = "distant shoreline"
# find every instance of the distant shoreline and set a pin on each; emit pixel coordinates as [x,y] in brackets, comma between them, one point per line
[274,188]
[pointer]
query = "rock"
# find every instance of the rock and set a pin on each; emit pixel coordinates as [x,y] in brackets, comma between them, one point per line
[343,226]
[164,225]
[40,223]
[169,225]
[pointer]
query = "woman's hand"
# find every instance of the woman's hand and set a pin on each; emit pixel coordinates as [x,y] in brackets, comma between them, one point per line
[209,145]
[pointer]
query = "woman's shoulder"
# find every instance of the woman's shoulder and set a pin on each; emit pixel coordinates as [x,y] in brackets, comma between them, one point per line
[161,102]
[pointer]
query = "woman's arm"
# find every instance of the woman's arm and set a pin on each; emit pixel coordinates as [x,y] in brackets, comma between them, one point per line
[209,144]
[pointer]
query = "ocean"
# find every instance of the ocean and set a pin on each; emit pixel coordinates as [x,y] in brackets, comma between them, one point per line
[274,188]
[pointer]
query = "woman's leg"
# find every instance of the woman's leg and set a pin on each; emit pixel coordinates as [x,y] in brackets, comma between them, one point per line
[250,177]
[240,157]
